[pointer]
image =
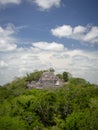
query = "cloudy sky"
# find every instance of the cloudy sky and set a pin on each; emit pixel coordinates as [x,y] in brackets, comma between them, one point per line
[39,34]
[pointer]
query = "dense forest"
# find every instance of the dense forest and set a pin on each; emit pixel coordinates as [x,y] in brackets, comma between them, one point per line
[73,106]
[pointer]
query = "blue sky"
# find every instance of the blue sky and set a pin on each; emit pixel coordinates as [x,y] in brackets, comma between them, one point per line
[38,34]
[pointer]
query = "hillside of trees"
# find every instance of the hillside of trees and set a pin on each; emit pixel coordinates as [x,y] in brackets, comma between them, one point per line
[73,106]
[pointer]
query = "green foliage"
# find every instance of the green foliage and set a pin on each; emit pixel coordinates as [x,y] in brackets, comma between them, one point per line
[9,123]
[65,76]
[74,106]
[34,76]
[51,70]
[60,76]
[44,108]
[4,94]
[78,82]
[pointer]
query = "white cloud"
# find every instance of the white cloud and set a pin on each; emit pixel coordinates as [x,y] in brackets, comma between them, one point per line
[47,4]
[79,29]
[3,64]
[42,4]
[49,46]
[92,35]
[6,46]
[62,31]
[5,2]
[81,33]
[7,41]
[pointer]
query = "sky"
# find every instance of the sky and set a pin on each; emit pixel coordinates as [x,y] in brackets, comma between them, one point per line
[39,34]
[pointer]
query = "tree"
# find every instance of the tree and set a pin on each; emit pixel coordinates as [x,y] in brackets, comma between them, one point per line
[51,70]
[65,76]
[78,81]
[44,108]
[34,76]
[60,76]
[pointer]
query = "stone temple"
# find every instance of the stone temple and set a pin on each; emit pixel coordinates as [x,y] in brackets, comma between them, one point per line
[48,79]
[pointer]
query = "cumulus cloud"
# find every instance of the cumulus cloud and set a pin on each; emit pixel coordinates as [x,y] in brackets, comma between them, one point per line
[7,47]
[81,33]
[49,46]
[5,2]
[62,31]
[79,29]
[7,41]
[3,64]
[92,35]
[42,4]
[47,4]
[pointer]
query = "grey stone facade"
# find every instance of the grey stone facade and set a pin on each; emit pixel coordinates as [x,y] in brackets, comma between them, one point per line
[48,79]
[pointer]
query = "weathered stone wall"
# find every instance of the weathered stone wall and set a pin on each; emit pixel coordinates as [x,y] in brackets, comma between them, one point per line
[48,79]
